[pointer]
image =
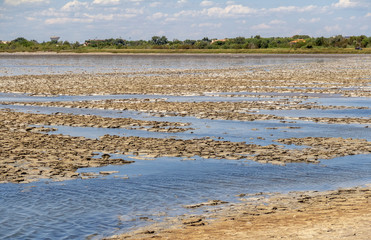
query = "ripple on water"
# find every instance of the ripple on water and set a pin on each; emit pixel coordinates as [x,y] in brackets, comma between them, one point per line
[83,207]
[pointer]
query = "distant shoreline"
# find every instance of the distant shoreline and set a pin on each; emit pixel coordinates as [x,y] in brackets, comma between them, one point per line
[268,51]
[255,54]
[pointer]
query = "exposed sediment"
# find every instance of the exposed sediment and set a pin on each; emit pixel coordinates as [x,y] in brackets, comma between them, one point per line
[27,155]
[22,119]
[187,108]
[348,77]
[240,111]
[338,214]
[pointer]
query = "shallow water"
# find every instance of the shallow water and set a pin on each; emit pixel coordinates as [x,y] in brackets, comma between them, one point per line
[159,188]
[78,208]
[227,130]
[58,64]
[330,113]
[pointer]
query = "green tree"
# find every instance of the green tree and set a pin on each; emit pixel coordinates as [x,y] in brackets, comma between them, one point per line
[156,40]
[320,41]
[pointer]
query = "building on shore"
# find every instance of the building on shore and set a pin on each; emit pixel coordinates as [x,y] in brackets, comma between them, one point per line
[54,38]
[218,40]
[297,41]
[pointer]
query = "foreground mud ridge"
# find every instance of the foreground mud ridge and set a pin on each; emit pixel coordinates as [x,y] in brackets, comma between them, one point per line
[340,214]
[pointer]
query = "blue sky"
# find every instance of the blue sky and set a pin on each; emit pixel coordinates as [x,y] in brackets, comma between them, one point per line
[79,20]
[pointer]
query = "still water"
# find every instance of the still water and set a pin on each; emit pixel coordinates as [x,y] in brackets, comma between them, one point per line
[58,64]
[157,189]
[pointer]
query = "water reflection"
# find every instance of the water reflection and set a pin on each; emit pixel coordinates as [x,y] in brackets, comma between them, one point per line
[57,64]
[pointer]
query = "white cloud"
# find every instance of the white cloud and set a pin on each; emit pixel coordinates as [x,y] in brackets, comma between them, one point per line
[18,2]
[50,12]
[191,13]
[229,11]
[31,18]
[182,1]
[241,10]
[155,4]
[312,20]
[171,19]
[98,17]
[368,14]
[293,9]
[74,6]
[206,3]
[107,17]
[335,28]
[157,15]
[276,21]
[104,2]
[135,11]
[67,20]
[207,25]
[261,26]
[347,4]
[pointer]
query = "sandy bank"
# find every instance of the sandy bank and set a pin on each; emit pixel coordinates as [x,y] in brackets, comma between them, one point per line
[339,214]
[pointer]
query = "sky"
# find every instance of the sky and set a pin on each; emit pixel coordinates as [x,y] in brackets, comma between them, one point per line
[80,20]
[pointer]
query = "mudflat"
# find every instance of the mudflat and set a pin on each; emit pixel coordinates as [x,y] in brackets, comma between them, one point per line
[31,151]
[339,214]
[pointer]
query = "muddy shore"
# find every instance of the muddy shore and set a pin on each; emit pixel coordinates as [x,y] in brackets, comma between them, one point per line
[338,214]
[337,77]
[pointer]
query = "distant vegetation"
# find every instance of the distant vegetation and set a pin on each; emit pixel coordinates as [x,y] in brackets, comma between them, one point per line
[297,43]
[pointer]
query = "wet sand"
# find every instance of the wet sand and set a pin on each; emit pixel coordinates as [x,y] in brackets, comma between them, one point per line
[339,214]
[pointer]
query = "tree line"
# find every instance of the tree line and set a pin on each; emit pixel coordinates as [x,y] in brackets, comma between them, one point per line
[162,42]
